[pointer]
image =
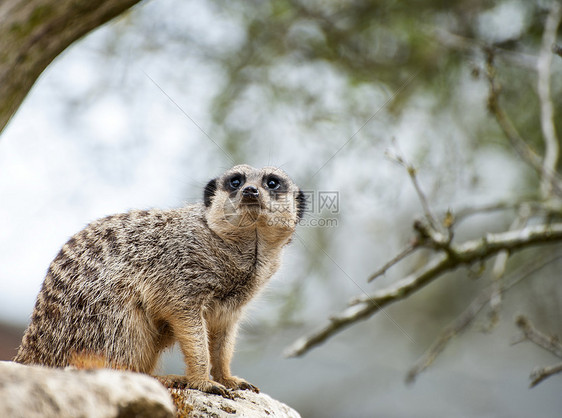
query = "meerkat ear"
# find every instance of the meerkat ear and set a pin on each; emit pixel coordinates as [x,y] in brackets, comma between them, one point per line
[209,192]
[301,204]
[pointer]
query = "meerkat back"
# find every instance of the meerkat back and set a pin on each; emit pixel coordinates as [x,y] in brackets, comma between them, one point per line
[91,300]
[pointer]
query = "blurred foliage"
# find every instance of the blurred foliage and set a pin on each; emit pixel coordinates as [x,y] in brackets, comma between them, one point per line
[385,43]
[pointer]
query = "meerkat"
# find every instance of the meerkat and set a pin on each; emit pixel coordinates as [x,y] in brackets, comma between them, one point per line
[130,285]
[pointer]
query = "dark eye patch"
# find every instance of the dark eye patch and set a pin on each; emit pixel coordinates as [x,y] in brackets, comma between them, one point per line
[234,181]
[274,183]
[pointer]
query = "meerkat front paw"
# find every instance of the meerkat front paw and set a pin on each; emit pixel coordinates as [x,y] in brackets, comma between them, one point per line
[210,386]
[174,381]
[234,382]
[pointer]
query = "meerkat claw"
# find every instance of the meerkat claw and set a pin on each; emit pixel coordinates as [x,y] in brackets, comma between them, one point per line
[248,386]
[237,383]
[220,390]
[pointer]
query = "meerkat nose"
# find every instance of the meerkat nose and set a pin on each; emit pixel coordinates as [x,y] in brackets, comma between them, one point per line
[250,192]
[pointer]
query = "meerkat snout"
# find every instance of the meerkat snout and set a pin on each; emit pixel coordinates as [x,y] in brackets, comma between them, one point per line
[129,285]
[250,193]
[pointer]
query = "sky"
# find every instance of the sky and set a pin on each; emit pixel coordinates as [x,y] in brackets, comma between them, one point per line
[72,154]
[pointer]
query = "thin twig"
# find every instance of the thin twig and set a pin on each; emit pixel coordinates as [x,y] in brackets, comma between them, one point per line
[463,213]
[517,142]
[457,327]
[500,264]
[359,287]
[548,207]
[399,257]
[412,172]
[465,319]
[544,64]
[551,344]
[399,158]
[522,148]
[369,305]
[541,374]
[475,46]
[453,257]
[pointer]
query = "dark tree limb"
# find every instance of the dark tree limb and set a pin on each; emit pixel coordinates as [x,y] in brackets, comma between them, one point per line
[34,32]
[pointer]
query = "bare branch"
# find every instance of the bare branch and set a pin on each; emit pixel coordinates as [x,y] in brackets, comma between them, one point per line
[541,374]
[465,319]
[399,158]
[551,344]
[453,256]
[399,257]
[412,172]
[458,326]
[474,46]
[500,264]
[543,86]
[468,211]
[368,305]
[548,207]
[517,142]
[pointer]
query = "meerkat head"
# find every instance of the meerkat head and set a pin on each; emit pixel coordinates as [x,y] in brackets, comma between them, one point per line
[245,199]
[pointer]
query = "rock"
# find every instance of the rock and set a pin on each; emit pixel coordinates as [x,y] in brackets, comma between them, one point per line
[193,403]
[35,391]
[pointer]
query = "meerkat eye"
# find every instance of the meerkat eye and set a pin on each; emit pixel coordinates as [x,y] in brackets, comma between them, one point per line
[235,182]
[273,183]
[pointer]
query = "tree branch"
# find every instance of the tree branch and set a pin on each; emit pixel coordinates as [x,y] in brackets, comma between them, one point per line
[399,158]
[517,142]
[541,374]
[458,326]
[399,257]
[363,307]
[500,264]
[549,207]
[475,46]
[465,319]
[543,86]
[551,344]
[451,257]
[34,32]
